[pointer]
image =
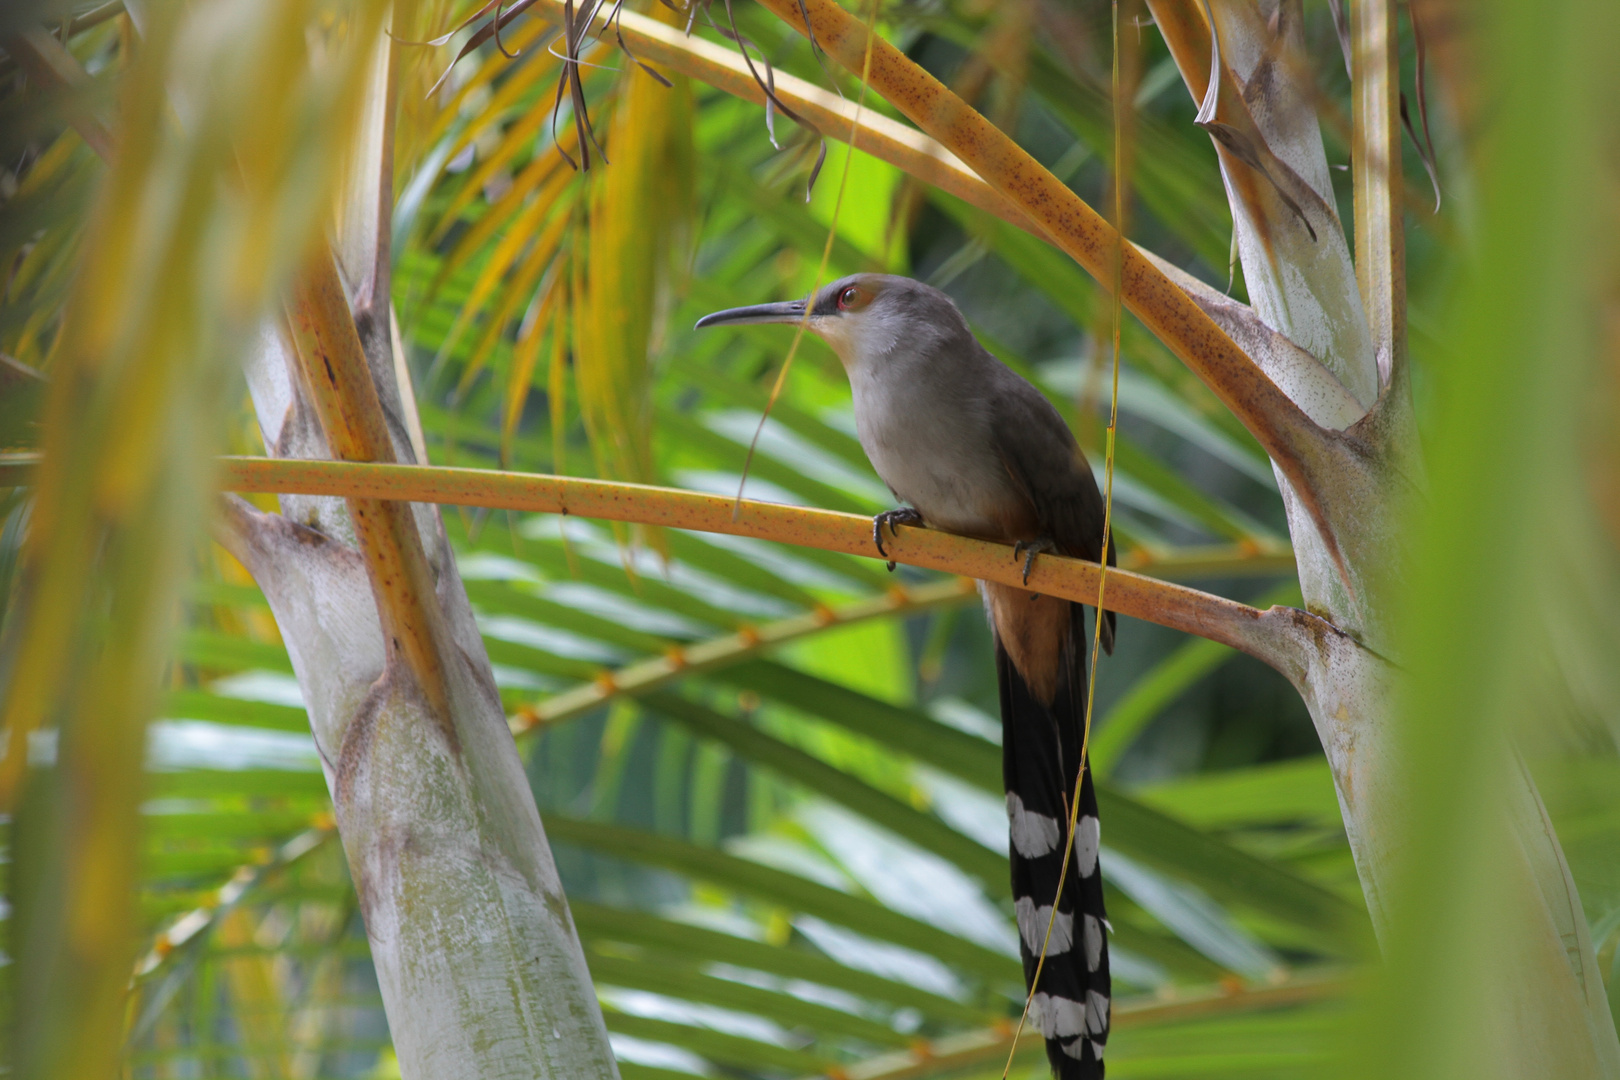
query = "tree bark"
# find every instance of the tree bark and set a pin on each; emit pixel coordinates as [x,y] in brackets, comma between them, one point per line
[1351,315]
[481,971]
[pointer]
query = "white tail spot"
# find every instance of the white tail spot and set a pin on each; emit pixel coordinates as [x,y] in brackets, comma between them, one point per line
[1033,835]
[1032,922]
[1096,1013]
[1092,938]
[1058,1017]
[1087,837]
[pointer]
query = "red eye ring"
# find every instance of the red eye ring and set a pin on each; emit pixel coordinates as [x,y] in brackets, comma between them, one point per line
[848,297]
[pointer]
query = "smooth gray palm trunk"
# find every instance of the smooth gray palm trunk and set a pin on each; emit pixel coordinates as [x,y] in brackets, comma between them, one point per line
[481,971]
[1552,1014]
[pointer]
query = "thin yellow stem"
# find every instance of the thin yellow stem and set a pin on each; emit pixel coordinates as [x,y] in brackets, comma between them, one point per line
[646,676]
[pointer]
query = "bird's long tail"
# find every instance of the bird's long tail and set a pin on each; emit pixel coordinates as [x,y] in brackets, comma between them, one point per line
[1040,757]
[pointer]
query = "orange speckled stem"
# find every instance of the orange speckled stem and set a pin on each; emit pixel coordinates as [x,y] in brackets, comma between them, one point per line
[644,676]
[338,378]
[1268,635]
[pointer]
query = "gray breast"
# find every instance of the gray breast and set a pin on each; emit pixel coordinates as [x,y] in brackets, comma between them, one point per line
[927,433]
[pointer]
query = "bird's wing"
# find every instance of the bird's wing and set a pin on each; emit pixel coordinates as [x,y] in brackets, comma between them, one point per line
[1046,465]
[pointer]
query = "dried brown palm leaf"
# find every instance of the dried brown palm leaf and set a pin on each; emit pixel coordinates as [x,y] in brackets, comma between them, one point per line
[481,35]
[1238,133]
[527,37]
[767,85]
[1425,146]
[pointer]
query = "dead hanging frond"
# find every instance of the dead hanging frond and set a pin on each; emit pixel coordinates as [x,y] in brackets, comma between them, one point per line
[767,86]
[615,19]
[815,48]
[1425,148]
[576,27]
[1425,145]
[1243,140]
[484,33]
[803,147]
[496,23]
[576,22]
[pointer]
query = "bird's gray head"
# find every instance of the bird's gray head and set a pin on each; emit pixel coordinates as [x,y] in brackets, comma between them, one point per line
[866,318]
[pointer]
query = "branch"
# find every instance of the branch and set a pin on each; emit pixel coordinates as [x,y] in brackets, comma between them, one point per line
[1308,455]
[338,378]
[1274,636]
[645,676]
[1279,636]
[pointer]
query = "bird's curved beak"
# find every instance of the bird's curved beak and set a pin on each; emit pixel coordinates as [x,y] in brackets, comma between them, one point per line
[785,311]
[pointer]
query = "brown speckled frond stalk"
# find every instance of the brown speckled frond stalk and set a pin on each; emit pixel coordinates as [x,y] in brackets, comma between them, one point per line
[340,384]
[1271,636]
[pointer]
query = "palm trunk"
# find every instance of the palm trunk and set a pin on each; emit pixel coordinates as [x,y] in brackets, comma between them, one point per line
[480,967]
[1551,1014]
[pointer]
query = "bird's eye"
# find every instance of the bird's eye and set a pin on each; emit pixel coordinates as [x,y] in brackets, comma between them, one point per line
[852,298]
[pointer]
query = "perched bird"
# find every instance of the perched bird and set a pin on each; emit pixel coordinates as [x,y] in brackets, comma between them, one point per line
[972,448]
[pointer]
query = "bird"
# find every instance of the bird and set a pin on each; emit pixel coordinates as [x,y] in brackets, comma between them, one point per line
[968,446]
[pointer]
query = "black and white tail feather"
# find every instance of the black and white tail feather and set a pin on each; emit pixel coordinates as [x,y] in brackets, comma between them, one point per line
[1040,759]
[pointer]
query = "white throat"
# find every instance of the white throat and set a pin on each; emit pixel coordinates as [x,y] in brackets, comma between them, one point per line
[865,340]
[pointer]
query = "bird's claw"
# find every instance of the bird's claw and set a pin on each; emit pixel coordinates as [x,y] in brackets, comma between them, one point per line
[905,515]
[1029,549]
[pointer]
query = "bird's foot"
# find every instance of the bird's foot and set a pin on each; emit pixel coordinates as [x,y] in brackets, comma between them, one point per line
[904,515]
[1028,549]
